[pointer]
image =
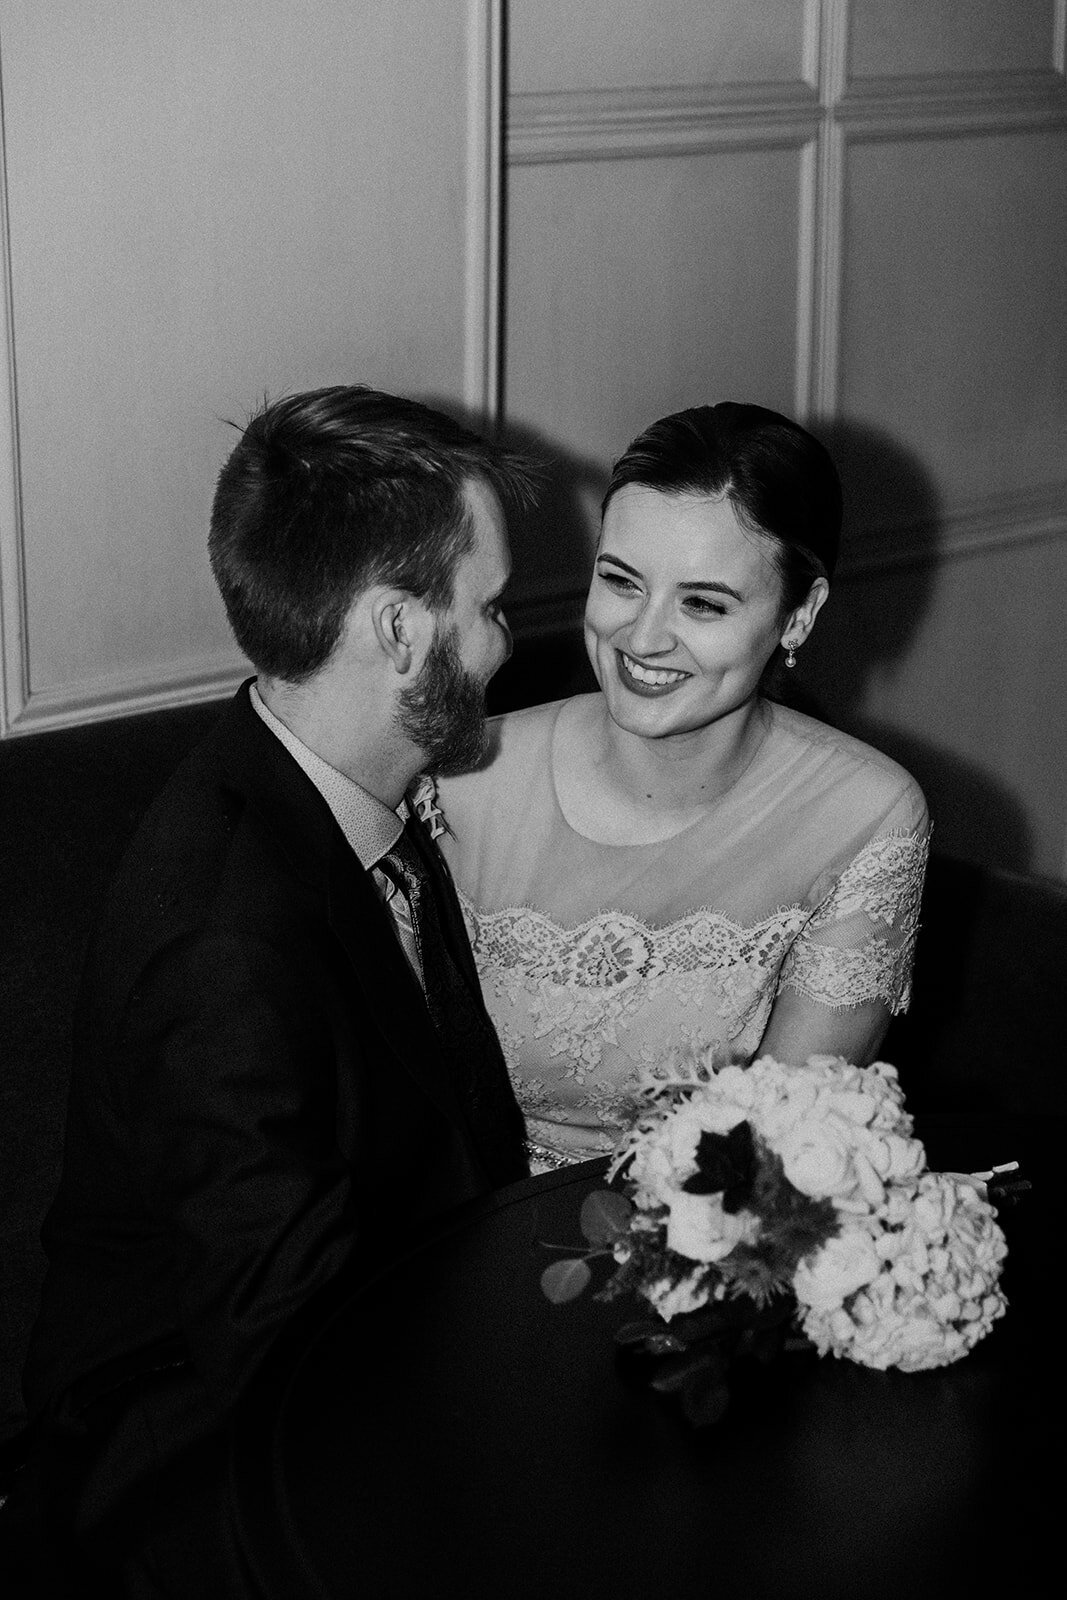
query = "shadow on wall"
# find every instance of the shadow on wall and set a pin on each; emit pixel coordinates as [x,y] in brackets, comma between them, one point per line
[554,540]
[867,632]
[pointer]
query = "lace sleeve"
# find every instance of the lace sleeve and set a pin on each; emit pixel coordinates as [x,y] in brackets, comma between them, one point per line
[860,943]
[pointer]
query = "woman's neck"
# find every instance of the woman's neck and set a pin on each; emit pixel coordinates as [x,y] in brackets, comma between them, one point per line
[683,769]
[623,788]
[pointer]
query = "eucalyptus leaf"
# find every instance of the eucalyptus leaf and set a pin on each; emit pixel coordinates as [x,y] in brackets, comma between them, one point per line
[605,1216]
[565,1280]
[640,1333]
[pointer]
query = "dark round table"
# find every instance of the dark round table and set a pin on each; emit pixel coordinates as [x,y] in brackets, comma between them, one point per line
[448,1431]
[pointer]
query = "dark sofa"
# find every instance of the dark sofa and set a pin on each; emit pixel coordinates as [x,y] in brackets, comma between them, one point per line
[983,1031]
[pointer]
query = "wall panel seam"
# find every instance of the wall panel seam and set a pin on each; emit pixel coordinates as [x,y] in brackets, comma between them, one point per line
[14,634]
[483,267]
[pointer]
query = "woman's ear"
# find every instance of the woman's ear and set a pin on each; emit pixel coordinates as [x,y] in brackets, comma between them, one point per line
[800,622]
[402,626]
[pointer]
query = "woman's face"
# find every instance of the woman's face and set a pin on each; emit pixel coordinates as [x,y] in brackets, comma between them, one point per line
[683,611]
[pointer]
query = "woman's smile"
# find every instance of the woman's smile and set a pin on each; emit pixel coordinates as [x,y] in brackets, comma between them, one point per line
[683,609]
[651,682]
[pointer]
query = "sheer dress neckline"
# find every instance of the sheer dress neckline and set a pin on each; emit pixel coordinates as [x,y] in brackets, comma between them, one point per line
[719,803]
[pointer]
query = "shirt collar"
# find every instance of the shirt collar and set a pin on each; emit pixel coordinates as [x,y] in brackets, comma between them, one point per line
[368,825]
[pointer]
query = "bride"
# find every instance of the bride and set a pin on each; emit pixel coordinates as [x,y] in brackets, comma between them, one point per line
[678,860]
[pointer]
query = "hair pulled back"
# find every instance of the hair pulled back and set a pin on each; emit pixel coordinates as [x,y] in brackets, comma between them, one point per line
[780,481]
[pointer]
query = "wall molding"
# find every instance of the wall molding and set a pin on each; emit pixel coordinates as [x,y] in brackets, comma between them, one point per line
[25,709]
[994,523]
[14,636]
[821,223]
[123,694]
[820,217]
[985,527]
[619,124]
[484,241]
[919,107]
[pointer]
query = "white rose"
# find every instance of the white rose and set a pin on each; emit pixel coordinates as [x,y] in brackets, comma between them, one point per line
[843,1265]
[817,1160]
[718,1115]
[699,1228]
[654,1173]
[896,1159]
[736,1084]
[913,1339]
[855,1105]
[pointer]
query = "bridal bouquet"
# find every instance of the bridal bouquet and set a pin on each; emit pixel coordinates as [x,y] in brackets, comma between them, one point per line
[775,1204]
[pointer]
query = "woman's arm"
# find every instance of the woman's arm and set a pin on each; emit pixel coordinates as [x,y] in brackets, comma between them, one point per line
[849,970]
[799,1028]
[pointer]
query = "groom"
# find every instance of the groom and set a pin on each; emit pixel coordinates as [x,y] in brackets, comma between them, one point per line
[284,1068]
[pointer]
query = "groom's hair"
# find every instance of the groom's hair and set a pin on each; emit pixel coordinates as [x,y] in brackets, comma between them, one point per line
[331,492]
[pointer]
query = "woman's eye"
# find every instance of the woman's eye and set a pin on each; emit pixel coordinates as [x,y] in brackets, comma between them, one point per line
[698,606]
[616,581]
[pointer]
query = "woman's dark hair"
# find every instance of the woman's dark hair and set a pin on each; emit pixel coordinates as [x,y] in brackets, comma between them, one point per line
[780,481]
[331,492]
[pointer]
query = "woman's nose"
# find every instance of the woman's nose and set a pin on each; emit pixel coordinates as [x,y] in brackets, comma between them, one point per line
[649,634]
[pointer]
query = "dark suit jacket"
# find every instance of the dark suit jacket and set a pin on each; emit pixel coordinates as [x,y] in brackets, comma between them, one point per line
[259,1105]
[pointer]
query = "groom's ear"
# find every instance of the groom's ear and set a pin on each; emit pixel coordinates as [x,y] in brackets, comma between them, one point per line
[402,626]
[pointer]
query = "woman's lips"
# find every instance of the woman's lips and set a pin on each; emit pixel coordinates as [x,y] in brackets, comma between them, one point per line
[651,682]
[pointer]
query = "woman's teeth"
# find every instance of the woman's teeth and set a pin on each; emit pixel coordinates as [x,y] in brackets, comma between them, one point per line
[657,679]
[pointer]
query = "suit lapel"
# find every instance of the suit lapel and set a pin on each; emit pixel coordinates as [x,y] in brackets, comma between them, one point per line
[449,912]
[390,990]
[288,804]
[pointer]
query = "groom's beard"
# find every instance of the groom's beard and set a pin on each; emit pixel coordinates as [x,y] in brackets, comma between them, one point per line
[444,711]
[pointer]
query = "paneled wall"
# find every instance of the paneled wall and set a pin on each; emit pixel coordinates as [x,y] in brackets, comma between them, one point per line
[854,211]
[203,202]
[851,210]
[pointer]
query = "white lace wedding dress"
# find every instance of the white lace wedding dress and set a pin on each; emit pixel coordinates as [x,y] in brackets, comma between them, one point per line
[596,959]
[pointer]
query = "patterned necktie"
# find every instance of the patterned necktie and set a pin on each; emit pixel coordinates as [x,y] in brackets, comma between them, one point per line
[465,1034]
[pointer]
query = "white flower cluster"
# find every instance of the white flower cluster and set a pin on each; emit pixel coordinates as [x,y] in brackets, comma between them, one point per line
[909,1280]
[914,1285]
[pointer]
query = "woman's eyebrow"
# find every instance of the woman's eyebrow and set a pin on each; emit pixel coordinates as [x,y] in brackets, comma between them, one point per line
[712,584]
[715,586]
